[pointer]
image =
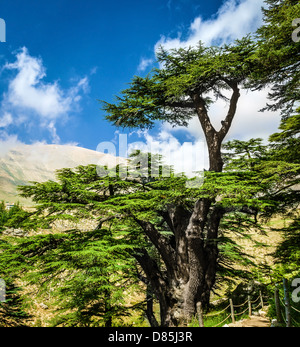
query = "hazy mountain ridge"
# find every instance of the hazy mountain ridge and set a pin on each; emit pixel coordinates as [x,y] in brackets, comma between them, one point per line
[39,162]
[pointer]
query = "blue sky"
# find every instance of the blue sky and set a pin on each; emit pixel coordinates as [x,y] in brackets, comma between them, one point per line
[60,56]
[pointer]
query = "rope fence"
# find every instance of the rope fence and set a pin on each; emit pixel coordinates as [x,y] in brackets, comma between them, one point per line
[286,312]
[233,312]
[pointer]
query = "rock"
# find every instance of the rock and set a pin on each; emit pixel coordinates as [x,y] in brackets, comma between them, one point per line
[15,232]
[43,306]
[8,231]
[262,313]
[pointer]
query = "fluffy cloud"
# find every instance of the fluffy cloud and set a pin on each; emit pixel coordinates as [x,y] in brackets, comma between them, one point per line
[144,63]
[6,120]
[28,91]
[233,20]
[28,95]
[189,157]
[8,142]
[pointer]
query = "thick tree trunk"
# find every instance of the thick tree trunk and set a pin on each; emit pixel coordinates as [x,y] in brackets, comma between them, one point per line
[190,278]
[190,260]
[214,153]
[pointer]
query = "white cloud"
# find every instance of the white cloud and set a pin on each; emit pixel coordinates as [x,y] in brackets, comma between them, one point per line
[188,157]
[6,120]
[144,63]
[8,142]
[249,122]
[29,95]
[52,129]
[233,20]
[28,91]
[82,85]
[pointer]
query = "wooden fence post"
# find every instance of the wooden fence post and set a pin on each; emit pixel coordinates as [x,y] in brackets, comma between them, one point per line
[249,305]
[287,303]
[232,310]
[261,299]
[200,314]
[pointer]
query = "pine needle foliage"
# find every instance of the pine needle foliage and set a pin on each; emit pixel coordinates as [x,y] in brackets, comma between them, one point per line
[88,271]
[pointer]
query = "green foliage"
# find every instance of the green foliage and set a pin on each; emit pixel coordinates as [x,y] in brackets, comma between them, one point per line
[287,254]
[89,271]
[166,93]
[286,142]
[125,201]
[3,215]
[16,217]
[85,273]
[277,58]
[12,311]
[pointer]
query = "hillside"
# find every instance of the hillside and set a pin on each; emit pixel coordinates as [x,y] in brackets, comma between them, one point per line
[39,162]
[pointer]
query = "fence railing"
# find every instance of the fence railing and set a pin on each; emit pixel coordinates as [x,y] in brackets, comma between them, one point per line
[232,309]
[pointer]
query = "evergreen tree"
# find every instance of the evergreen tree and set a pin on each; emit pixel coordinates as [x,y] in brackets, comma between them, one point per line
[174,93]
[85,272]
[12,310]
[278,57]
[186,226]
[277,61]
[88,272]
[286,145]
[179,90]
[133,213]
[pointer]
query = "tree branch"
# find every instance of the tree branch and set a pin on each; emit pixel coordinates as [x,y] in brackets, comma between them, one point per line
[162,244]
[181,104]
[232,109]
[209,130]
[103,220]
[151,270]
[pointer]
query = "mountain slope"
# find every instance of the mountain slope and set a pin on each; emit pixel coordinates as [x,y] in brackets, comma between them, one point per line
[39,163]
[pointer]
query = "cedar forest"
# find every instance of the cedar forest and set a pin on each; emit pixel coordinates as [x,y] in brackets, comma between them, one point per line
[159,245]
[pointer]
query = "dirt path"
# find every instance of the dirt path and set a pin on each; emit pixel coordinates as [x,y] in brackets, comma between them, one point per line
[252,321]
